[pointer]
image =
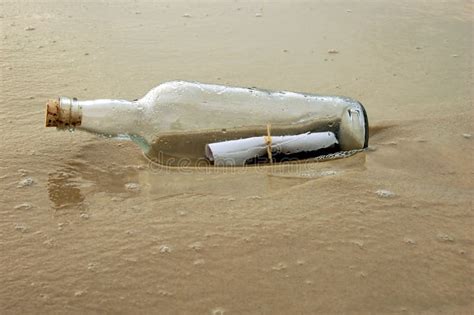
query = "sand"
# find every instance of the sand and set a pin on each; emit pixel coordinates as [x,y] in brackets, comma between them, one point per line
[88,225]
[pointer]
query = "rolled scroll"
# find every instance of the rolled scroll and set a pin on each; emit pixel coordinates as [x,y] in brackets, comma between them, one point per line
[237,152]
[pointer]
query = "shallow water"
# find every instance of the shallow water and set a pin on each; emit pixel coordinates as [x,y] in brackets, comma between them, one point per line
[88,225]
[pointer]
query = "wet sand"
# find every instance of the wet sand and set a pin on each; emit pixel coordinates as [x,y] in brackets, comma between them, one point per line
[88,225]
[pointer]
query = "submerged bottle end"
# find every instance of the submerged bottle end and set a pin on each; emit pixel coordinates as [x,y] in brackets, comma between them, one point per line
[62,114]
[354,129]
[366,126]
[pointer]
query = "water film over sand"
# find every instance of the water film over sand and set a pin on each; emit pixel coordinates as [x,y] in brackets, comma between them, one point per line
[88,225]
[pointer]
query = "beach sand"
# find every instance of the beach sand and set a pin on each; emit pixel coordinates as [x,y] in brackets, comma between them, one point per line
[88,225]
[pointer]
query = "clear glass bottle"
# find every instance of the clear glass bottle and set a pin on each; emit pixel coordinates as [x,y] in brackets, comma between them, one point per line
[175,121]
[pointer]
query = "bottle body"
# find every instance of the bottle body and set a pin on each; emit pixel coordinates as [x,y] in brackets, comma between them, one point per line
[176,120]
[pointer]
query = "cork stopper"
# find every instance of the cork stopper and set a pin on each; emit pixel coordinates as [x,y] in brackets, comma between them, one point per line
[52,113]
[62,113]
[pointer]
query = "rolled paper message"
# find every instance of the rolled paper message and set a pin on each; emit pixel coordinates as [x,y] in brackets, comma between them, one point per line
[237,152]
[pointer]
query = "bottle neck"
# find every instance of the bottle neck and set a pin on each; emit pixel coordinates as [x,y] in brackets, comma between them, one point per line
[103,116]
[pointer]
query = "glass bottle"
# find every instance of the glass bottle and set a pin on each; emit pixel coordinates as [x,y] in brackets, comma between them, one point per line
[175,121]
